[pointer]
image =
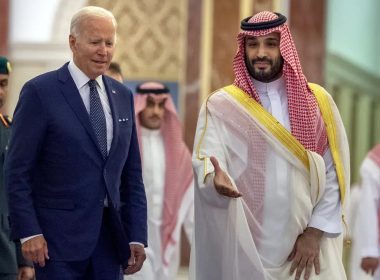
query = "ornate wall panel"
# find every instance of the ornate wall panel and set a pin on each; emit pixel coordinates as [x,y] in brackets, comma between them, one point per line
[309,35]
[4,19]
[151,37]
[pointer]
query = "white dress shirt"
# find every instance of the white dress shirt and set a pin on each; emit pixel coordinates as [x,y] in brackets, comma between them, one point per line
[81,81]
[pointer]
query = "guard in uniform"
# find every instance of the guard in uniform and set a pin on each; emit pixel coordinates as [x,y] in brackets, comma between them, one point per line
[12,264]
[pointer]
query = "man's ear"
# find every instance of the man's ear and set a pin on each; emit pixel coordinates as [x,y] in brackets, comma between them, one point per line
[72,41]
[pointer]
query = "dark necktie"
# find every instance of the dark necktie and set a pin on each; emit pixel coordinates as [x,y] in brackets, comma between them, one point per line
[97,117]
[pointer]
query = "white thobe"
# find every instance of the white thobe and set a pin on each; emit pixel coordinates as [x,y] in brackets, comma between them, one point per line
[234,240]
[365,231]
[153,162]
[327,213]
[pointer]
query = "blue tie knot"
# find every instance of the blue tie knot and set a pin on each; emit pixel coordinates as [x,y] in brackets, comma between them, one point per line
[92,84]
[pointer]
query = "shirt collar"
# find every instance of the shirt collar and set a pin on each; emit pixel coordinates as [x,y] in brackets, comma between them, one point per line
[80,78]
[150,132]
[278,85]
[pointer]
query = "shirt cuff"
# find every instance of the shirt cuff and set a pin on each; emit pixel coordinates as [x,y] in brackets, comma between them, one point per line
[136,243]
[332,229]
[369,252]
[23,240]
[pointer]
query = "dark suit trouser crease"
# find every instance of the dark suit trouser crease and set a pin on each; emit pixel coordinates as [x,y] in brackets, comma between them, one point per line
[8,276]
[103,263]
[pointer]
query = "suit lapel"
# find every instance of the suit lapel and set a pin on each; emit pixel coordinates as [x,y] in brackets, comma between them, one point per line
[73,98]
[112,93]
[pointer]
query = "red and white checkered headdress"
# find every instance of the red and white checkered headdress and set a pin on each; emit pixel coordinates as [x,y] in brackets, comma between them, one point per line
[305,120]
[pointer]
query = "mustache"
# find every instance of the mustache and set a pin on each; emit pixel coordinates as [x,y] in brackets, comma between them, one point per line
[263,59]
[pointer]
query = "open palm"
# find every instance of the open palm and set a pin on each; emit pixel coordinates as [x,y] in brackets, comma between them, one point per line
[222,182]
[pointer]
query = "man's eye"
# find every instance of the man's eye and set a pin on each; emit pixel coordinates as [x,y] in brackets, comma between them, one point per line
[272,44]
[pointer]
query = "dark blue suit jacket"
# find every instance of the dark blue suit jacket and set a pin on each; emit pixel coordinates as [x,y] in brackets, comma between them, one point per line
[55,174]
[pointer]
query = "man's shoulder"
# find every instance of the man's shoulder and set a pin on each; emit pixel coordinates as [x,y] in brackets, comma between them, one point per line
[45,78]
[117,86]
[217,93]
[317,89]
[53,75]
[48,81]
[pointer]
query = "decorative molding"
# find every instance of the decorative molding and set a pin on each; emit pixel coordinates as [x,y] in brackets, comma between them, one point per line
[151,36]
[40,52]
[341,71]
[206,48]
[63,15]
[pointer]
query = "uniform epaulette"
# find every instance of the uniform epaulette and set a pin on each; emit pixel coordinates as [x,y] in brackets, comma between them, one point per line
[5,120]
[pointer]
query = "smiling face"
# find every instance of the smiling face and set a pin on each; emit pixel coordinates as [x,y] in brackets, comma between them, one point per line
[263,57]
[94,45]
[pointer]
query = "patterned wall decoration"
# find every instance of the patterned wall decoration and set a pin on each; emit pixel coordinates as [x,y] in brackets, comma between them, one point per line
[263,5]
[151,37]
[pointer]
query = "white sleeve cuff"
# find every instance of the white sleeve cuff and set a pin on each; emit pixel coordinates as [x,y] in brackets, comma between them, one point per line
[330,227]
[369,252]
[137,243]
[23,240]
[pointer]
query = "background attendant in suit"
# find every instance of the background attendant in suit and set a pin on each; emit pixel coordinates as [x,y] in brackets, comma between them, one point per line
[73,171]
[114,71]
[12,265]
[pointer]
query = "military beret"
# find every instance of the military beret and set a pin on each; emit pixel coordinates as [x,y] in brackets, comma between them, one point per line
[5,65]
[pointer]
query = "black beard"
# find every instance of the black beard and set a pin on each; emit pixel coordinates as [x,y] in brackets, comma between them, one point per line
[261,75]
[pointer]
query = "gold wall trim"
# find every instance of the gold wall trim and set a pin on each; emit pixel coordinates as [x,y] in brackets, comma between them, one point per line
[206,48]
[246,8]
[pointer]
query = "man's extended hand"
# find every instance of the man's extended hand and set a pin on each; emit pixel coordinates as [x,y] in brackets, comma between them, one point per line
[136,259]
[35,250]
[370,264]
[222,182]
[25,273]
[305,253]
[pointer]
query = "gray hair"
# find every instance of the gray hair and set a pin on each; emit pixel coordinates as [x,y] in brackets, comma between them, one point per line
[85,13]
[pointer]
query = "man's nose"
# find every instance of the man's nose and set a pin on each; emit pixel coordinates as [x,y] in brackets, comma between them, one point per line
[261,51]
[102,49]
[156,109]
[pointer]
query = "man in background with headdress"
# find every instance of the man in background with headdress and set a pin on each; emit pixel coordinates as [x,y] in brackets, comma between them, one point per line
[366,249]
[168,180]
[12,264]
[272,168]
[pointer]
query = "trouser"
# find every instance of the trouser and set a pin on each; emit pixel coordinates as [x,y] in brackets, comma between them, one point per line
[103,264]
[4,276]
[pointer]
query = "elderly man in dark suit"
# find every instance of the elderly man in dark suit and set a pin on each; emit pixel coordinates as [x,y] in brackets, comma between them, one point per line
[73,171]
[12,265]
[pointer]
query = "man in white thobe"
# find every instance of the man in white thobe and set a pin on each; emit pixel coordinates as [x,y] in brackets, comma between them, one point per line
[366,246]
[168,179]
[271,166]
